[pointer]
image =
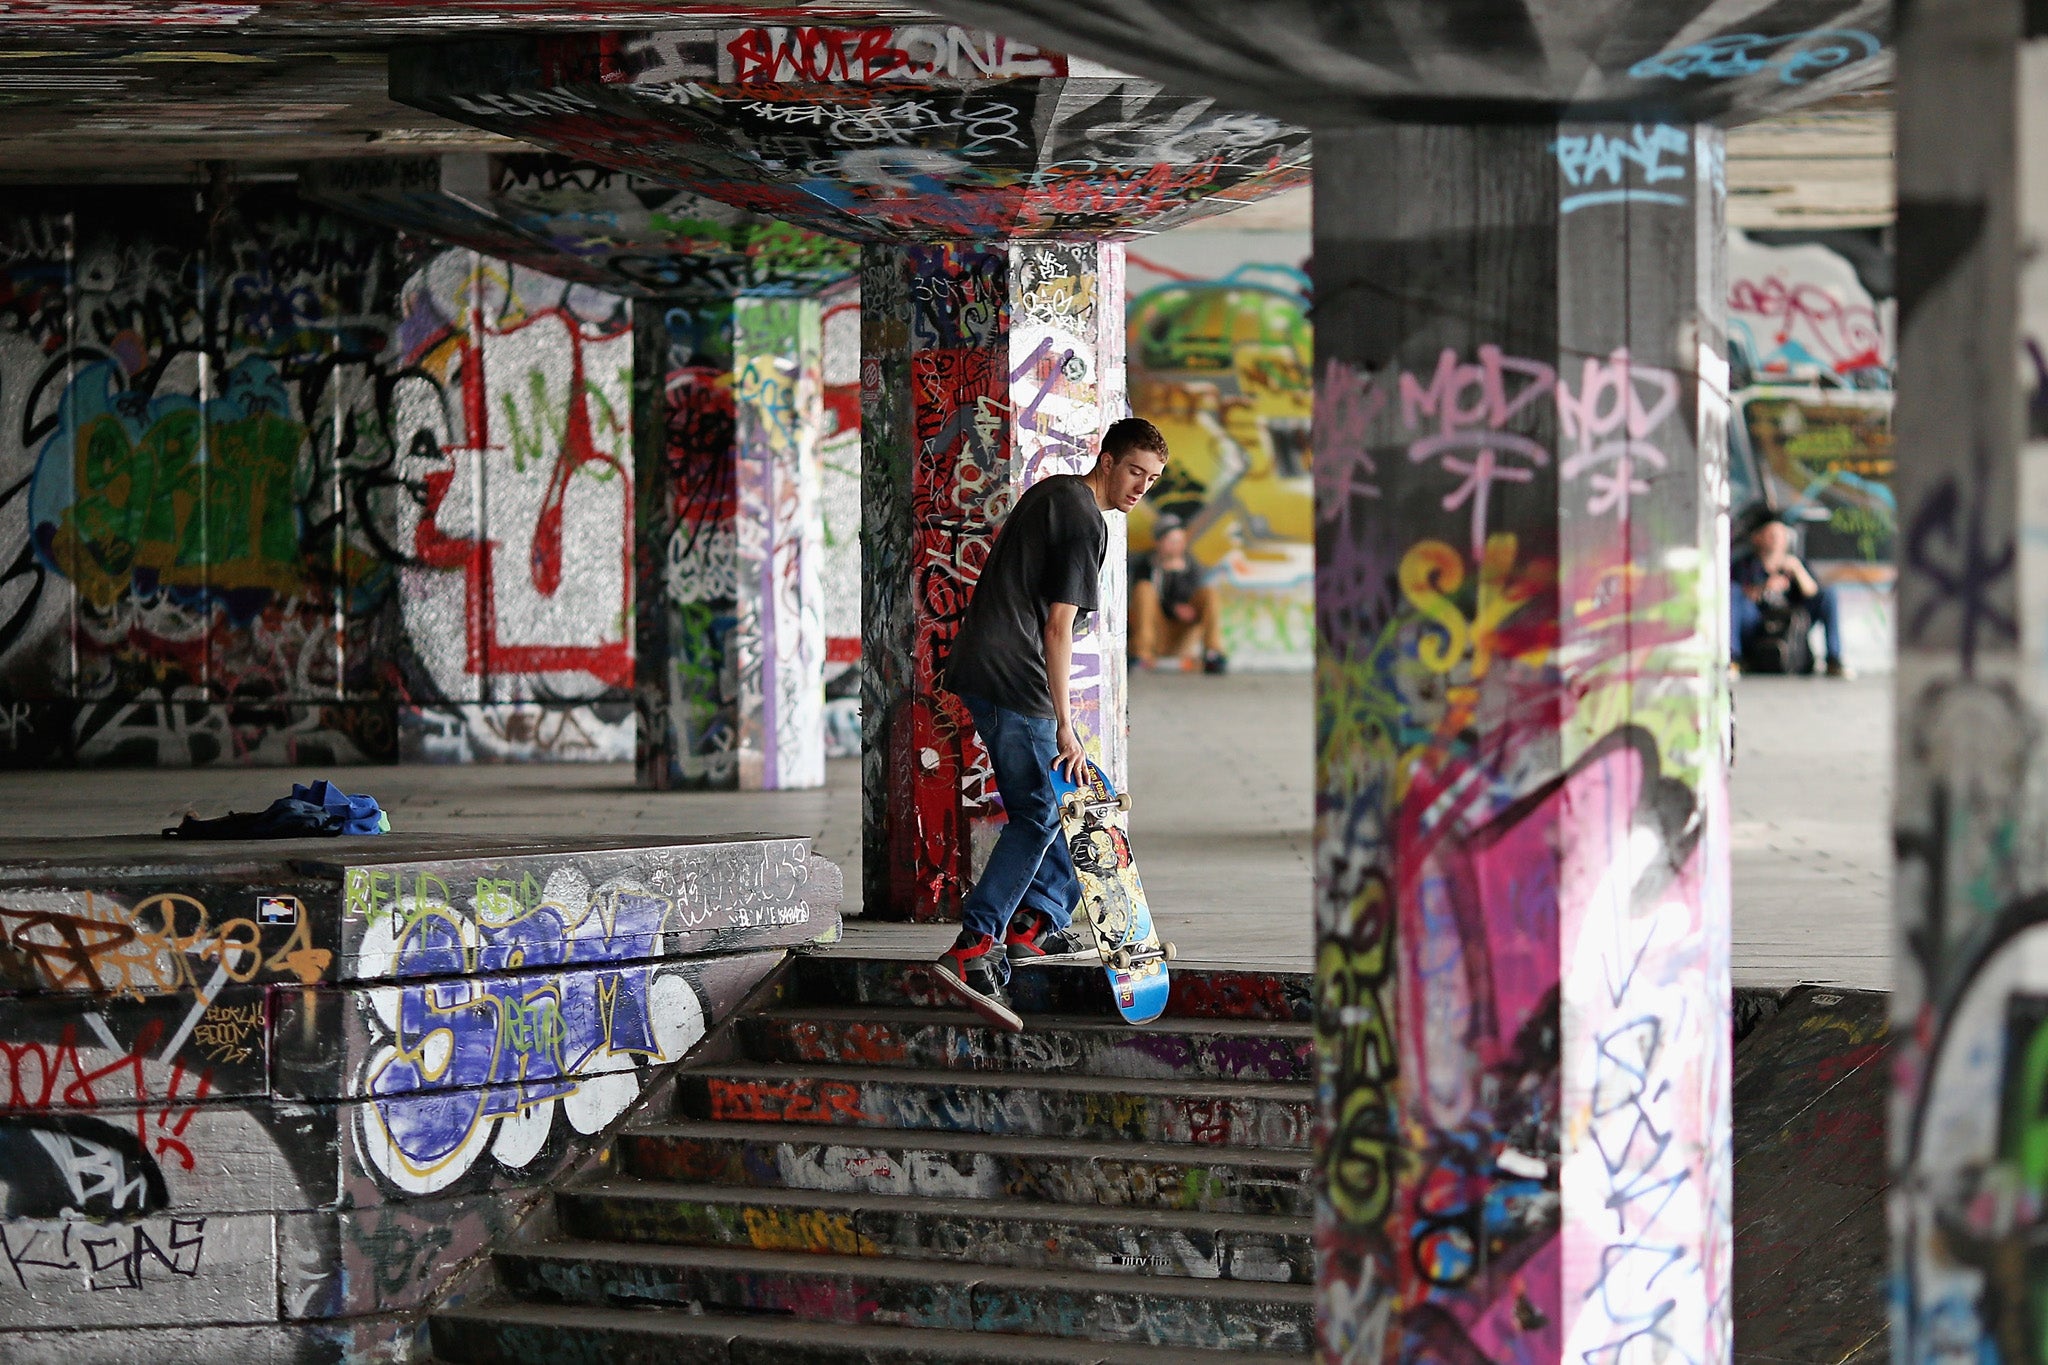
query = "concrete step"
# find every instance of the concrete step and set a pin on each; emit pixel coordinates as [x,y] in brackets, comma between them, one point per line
[972,1166]
[1148,1310]
[499,1332]
[1211,1113]
[1197,993]
[958,1040]
[1004,1232]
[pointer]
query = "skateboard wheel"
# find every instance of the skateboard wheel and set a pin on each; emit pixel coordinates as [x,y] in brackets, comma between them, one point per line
[1120,959]
[1123,800]
[1172,952]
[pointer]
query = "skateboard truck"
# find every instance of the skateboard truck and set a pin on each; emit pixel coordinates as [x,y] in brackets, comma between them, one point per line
[1124,958]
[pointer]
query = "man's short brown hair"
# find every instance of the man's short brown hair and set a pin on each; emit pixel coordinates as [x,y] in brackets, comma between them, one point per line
[1129,434]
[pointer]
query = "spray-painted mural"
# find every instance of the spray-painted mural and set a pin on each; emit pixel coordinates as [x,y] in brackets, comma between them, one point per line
[1798,310]
[732,631]
[514,418]
[867,131]
[1969,1056]
[279,489]
[689,557]
[839,499]
[1220,349]
[1220,337]
[1811,327]
[198,454]
[984,369]
[267,1097]
[779,396]
[1521,891]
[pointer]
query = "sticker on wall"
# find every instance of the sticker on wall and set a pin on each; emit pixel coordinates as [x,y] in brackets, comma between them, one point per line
[277,909]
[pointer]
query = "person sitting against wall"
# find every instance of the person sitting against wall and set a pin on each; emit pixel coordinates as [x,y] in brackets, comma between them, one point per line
[1777,603]
[1171,607]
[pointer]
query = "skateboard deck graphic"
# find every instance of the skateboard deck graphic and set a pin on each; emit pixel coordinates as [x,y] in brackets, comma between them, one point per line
[1093,822]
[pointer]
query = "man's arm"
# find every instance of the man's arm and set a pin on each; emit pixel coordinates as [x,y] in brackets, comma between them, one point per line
[1797,572]
[1059,666]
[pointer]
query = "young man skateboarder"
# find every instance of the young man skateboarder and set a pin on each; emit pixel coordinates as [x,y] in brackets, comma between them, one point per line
[1010,664]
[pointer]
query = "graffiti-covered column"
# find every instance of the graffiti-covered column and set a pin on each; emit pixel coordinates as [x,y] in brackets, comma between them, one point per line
[1970,1008]
[984,367]
[1522,890]
[730,632]
[779,400]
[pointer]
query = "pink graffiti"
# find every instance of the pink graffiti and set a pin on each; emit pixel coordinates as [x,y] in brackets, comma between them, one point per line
[1609,420]
[1471,405]
[1347,404]
[1846,336]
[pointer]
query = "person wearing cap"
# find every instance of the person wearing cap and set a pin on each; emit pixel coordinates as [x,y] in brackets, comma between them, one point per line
[1171,607]
[1768,575]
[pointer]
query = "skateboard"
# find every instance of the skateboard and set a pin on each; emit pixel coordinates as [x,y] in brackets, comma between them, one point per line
[1092,819]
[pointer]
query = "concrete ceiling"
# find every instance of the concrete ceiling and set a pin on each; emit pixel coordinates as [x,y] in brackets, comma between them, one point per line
[1323,63]
[155,89]
[1826,166]
[1829,166]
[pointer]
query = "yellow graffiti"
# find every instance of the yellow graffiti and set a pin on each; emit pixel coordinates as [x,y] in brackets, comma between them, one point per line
[299,957]
[806,1230]
[1432,571]
[1125,1113]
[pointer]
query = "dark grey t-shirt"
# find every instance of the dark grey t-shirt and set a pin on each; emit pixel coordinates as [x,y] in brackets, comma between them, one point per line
[1050,550]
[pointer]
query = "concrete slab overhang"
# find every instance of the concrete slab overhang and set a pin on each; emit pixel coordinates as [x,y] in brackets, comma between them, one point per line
[1330,63]
[132,91]
[591,224]
[874,132]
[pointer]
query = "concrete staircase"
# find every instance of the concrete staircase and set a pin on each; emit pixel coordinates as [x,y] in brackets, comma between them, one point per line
[870,1175]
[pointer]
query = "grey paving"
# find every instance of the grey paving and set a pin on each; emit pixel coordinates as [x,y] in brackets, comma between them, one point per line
[1222,773]
[1811,805]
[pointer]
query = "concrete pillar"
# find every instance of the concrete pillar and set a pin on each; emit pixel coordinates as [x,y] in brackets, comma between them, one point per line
[730,631]
[985,367]
[1970,1012]
[1522,865]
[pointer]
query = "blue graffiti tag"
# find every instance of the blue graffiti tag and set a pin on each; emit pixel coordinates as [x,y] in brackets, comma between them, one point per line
[495,1039]
[1797,57]
[1591,160]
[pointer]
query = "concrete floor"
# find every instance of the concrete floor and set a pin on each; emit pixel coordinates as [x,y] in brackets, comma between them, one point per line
[1222,773]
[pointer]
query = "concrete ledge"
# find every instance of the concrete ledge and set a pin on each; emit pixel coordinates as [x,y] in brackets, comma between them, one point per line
[270,1094]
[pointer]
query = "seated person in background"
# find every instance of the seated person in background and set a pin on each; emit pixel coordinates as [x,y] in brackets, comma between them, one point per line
[1170,605]
[1768,577]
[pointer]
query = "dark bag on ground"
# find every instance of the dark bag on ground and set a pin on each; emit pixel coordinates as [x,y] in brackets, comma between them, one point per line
[1782,641]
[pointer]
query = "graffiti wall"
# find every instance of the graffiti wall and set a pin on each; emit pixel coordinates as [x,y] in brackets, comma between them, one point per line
[1969,1063]
[779,397]
[983,370]
[288,1097]
[1521,893]
[1220,337]
[733,635]
[197,482]
[839,500]
[276,487]
[515,423]
[1811,348]
[1220,346]
[1799,309]
[688,553]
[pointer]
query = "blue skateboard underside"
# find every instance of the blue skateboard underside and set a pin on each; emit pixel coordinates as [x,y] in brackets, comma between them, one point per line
[1114,899]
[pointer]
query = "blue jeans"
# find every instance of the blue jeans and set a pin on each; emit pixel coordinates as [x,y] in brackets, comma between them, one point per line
[1029,866]
[1826,613]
